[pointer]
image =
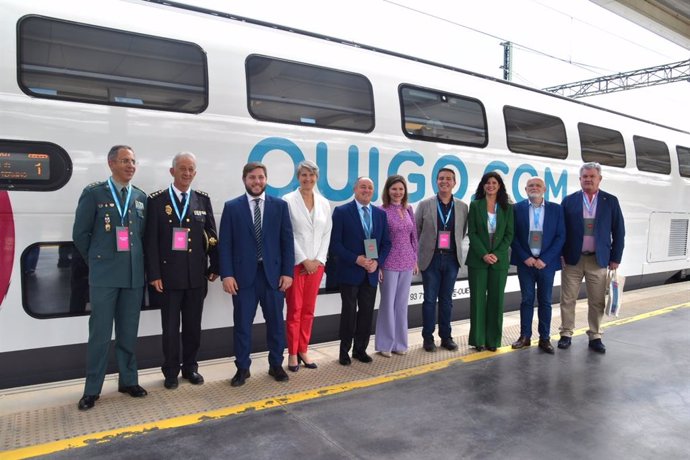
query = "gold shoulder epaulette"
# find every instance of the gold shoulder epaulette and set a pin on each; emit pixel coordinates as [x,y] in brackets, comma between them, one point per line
[201,193]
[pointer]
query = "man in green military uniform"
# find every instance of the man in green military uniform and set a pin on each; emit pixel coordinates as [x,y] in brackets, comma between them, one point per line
[108,232]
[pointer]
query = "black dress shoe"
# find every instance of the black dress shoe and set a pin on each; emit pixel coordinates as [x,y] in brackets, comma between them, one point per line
[545,346]
[311,365]
[293,368]
[194,377]
[345,359]
[597,345]
[429,345]
[240,377]
[479,348]
[522,342]
[170,383]
[87,402]
[135,391]
[449,344]
[564,342]
[278,373]
[491,348]
[362,357]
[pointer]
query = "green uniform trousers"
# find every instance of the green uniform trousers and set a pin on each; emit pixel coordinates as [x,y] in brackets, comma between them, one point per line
[486,306]
[122,306]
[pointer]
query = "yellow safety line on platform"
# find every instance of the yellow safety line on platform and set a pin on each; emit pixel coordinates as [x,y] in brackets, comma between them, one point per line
[269,403]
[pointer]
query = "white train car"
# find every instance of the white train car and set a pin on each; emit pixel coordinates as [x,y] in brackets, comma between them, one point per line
[77,77]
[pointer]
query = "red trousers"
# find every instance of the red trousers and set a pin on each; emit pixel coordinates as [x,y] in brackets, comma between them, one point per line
[301,302]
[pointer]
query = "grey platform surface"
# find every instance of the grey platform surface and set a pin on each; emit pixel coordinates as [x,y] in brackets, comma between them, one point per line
[633,402]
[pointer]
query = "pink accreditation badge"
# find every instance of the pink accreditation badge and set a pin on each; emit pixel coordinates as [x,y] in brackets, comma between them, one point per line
[179,239]
[444,239]
[122,238]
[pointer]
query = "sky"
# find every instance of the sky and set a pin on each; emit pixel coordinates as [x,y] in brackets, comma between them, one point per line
[555,41]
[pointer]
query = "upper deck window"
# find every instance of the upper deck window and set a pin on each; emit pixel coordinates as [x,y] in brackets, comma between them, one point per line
[601,145]
[683,160]
[301,94]
[79,62]
[439,116]
[652,155]
[535,133]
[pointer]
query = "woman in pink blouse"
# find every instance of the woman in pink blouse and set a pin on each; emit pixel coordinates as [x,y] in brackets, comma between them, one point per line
[396,273]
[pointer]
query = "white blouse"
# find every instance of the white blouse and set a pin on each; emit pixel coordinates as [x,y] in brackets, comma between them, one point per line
[312,230]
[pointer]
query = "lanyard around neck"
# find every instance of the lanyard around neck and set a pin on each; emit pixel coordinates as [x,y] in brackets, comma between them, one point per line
[116,197]
[446,218]
[174,203]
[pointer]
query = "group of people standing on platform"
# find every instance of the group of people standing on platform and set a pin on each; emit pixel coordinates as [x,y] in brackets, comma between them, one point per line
[270,251]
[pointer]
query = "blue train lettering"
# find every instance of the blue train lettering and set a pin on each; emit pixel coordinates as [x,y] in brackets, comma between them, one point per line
[556,183]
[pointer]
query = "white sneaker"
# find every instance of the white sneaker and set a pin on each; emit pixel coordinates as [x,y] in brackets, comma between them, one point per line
[385,354]
[404,352]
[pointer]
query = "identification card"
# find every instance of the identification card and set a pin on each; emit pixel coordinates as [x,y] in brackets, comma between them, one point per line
[179,239]
[371,250]
[589,226]
[122,238]
[443,239]
[535,238]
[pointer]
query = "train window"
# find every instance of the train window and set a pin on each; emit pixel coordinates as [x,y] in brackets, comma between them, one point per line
[683,160]
[55,281]
[78,62]
[35,166]
[535,133]
[601,145]
[442,117]
[301,94]
[652,155]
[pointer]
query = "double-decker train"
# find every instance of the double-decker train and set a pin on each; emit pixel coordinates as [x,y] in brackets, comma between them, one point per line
[78,77]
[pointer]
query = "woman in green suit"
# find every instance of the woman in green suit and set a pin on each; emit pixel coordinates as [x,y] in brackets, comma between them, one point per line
[490,228]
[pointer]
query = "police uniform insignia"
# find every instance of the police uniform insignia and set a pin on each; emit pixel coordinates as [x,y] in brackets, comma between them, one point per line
[139,205]
[168,209]
[212,241]
[106,220]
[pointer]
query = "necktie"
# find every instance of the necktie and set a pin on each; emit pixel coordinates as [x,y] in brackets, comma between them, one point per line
[123,198]
[183,199]
[257,230]
[367,221]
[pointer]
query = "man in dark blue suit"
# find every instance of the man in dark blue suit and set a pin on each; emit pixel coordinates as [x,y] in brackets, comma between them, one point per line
[256,257]
[360,244]
[537,245]
[595,234]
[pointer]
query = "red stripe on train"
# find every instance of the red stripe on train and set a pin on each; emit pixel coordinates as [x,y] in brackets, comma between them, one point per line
[6,243]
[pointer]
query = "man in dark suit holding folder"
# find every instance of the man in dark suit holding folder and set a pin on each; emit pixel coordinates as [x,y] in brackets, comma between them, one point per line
[360,244]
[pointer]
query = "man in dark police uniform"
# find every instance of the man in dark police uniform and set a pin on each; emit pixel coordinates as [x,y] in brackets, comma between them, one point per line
[108,232]
[180,230]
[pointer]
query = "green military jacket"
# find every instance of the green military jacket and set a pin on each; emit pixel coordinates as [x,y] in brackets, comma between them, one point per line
[478,232]
[94,235]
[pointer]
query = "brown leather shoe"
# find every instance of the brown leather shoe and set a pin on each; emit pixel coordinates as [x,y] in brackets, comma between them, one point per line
[522,342]
[545,346]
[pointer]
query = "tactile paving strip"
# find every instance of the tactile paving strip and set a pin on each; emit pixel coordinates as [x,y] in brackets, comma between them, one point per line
[117,411]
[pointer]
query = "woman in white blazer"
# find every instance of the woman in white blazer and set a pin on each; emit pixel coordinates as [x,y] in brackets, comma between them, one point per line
[310,214]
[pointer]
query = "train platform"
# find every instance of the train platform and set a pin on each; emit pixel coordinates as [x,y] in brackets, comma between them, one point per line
[632,402]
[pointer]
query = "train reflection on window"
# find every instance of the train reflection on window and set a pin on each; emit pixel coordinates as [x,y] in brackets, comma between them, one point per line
[438,116]
[683,160]
[602,145]
[652,155]
[535,133]
[55,281]
[79,62]
[301,94]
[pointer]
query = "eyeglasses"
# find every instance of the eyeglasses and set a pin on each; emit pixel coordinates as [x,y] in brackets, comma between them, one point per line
[126,161]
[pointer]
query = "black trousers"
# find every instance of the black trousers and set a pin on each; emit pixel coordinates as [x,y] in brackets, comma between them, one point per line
[187,304]
[356,316]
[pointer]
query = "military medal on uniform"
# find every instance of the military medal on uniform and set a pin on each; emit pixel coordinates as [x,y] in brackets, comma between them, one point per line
[443,240]
[121,232]
[180,235]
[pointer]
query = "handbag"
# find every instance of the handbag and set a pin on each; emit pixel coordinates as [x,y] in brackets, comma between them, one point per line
[614,292]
